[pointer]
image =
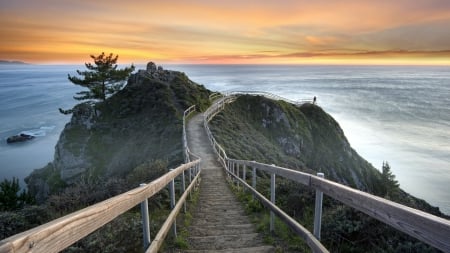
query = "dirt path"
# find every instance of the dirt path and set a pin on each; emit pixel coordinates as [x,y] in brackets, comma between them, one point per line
[219,223]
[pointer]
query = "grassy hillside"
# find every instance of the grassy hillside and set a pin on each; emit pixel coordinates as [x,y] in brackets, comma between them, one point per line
[303,138]
[308,139]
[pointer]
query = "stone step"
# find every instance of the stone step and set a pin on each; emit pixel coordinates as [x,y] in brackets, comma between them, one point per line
[218,197]
[218,216]
[219,211]
[220,220]
[209,230]
[214,188]
[215,201]
[257,249]
[219,202]
[221,242]
[219,205]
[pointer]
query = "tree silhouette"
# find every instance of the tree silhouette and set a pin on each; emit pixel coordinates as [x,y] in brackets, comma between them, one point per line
[102,78]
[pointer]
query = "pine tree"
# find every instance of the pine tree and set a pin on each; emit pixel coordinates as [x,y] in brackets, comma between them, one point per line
[102,78]
[390,185]
[11,198]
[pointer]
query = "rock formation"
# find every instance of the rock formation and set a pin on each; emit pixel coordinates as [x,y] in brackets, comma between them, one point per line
[19,138]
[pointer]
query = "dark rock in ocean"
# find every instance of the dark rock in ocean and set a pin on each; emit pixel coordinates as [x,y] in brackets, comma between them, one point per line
[19,138]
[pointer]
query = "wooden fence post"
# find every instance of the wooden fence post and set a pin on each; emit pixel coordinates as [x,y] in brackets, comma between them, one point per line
[190,181]
[318,211]
[183,186]
[172,203]
[272,199]
[145,222]
[237,174]
[244,175]
[254,179]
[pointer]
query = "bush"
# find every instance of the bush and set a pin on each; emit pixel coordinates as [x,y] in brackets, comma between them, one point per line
[11,198]
[15,222]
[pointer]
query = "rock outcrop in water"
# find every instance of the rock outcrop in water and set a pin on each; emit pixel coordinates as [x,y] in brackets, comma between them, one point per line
[141,123]
[19,138]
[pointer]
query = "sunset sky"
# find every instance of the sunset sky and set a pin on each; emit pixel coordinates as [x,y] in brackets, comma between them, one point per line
[231,31]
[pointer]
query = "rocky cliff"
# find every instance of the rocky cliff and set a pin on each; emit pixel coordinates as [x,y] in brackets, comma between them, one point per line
[140,123]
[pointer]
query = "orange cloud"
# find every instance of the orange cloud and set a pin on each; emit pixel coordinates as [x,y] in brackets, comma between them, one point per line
[227,31]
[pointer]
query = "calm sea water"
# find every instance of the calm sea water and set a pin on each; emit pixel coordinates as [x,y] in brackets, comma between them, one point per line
[29,100]
[395,114]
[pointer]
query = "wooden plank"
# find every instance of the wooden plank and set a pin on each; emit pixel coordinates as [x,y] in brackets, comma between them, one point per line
[63,232]
[164,230]
[297,176]
[426,227]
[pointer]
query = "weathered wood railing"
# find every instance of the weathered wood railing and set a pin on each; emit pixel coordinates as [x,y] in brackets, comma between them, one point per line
[215,95]
[208,115]
[268,95]
[187,153]
[63,232]
[428,228]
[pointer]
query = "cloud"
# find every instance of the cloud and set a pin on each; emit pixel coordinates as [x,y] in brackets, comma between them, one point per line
[50,30]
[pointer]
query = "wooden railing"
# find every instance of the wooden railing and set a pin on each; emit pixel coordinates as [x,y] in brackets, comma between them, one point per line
[63,232]
[269,95]
[208,115]
[215,95]
[187,152]
[428,228]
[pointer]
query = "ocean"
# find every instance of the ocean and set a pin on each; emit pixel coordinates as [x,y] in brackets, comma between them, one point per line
[399,114]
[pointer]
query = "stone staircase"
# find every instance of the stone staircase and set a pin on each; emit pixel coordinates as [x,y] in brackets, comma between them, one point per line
[219,222]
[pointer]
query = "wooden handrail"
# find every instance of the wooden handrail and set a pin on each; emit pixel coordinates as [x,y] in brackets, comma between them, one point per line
[213,96]
[269,95]
[63,232]
[295,175]
[426,227]
[187,152]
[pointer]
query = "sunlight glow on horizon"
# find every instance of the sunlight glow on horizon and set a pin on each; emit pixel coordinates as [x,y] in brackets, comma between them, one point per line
[352,32]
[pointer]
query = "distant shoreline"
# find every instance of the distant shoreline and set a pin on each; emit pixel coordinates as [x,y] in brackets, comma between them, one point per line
[13,62]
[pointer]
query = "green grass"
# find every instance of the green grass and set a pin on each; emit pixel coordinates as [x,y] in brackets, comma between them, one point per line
[302,138]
